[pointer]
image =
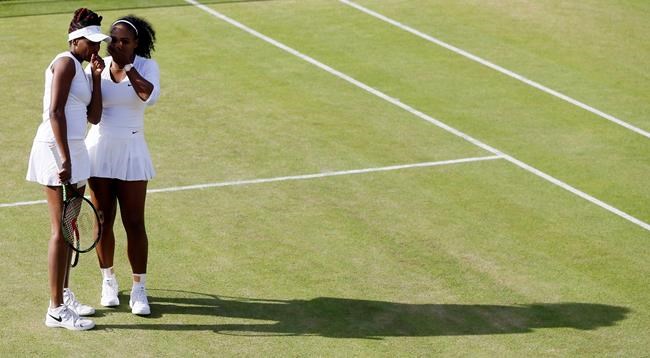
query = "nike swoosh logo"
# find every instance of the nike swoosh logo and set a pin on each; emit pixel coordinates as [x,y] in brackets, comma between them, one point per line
[59,319]
[129,85]
[134,132]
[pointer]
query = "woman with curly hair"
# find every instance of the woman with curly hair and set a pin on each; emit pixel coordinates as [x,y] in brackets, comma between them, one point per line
[70,101]
[120,162]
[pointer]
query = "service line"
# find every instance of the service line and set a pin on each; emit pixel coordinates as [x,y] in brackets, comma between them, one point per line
[292,177]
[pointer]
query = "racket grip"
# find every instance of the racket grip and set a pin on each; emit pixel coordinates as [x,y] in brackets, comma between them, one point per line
[56,155]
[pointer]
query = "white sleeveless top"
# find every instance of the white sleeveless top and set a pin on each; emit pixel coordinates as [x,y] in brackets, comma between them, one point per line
[121,106]
[75,108]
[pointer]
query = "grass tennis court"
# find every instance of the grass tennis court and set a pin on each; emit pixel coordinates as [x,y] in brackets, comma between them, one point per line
[295,213]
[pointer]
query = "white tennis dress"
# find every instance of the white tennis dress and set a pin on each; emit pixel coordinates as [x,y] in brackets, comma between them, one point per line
[116,146]
[42,166]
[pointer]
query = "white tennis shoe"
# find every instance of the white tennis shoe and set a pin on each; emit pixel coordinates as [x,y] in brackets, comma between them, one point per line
[109,293]
[64,317]
[139,303]
[70,300]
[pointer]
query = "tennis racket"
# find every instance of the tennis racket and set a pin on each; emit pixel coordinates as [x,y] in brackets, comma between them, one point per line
[80,221]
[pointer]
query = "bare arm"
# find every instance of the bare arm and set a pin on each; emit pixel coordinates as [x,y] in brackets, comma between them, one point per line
[94,109]
[141,86]
[63,72]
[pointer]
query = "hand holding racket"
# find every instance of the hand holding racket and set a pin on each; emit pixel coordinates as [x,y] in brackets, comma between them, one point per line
[80,222]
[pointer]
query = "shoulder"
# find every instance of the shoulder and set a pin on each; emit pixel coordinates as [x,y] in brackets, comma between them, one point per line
[145,62]
[64,63]
[63,57]
[148,68]
[144,59]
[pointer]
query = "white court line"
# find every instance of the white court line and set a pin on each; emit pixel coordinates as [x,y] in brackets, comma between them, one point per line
[23,203]
[292,177]
[327,174]
[498,68]
[421,115]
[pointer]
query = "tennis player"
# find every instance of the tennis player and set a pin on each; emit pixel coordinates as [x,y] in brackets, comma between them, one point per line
[70,100]
[120,162]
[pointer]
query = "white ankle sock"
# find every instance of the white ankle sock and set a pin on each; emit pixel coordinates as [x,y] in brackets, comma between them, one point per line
[54,309]
[142,277]
[107,272]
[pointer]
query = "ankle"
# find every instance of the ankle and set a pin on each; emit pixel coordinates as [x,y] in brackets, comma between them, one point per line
[107,273]
[54,307]
[139,279]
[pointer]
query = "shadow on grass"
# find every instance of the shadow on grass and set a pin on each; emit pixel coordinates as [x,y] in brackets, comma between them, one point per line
[353,318]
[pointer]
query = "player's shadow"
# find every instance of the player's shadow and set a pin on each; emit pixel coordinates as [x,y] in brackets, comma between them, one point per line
[353,318]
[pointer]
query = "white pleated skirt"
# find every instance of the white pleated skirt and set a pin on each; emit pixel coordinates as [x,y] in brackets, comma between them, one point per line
[42,166]
[119,153]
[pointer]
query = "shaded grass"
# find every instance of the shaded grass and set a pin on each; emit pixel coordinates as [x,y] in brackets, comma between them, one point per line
[425,258]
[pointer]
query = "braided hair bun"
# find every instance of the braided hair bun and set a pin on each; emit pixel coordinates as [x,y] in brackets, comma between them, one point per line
[84,17]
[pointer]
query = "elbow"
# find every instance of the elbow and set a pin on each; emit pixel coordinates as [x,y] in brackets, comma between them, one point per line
[57,114]
[94,113]
[151,101]
[144,96]
[153,97]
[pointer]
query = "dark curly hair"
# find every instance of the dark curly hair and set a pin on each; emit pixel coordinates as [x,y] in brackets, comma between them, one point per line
[146,35]
[84,17]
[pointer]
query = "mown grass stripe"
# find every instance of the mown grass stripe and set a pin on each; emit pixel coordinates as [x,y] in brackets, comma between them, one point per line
[498,68]
[422,115]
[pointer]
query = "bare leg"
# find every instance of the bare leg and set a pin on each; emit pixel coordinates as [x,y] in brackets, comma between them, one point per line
[103,196]
[131,196]
[68,260]
[57,252]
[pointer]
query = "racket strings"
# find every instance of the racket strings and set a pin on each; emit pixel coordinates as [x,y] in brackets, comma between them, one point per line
[71,213]
[85,225]
[80,224]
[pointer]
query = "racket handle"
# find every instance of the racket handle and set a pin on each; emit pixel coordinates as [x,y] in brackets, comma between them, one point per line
[57,156]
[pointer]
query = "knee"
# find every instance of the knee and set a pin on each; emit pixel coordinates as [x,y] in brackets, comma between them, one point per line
[107,230]
[57,237]
[135,227]
[107,218]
